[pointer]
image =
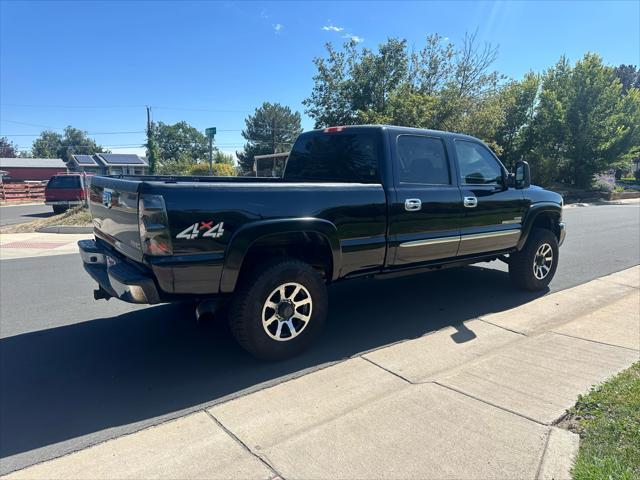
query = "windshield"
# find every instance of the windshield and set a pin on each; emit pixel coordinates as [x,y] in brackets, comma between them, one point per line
[64,182]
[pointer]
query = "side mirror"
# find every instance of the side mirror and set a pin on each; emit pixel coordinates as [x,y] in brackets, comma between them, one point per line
[522,175]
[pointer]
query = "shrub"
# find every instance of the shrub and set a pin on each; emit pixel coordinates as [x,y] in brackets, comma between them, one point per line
[219,170]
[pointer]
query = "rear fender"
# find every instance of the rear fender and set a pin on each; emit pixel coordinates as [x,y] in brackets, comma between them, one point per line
[246,236]
[535,211]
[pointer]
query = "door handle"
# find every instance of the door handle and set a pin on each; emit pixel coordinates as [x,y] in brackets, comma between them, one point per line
[470,202]
[412,204]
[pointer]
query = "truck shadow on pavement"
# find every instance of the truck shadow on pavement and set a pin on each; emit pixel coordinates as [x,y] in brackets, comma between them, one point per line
[80,379]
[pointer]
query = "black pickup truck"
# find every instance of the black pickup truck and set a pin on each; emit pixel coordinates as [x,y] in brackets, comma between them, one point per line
[353,201]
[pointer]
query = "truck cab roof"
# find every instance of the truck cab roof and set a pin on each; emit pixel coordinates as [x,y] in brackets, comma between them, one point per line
[397,129]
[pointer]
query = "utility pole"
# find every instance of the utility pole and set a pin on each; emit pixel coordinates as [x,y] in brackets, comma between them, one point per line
[210,156]
[148,119]
[273,133]
[210,133]
[151,150]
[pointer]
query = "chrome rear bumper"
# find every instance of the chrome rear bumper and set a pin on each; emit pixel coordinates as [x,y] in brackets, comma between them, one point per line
[116,277]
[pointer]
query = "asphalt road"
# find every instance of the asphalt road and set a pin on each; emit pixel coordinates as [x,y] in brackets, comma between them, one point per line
[74,372]
[11,215]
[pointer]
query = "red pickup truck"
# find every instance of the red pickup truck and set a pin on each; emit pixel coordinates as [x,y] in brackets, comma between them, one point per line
[64,191]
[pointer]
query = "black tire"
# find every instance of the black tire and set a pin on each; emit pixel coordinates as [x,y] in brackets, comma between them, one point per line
[522,271]
[58,209]
[249,304]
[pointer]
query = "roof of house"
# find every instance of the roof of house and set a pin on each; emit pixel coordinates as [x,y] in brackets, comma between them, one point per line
[120,159]
[32,163]
[86,160]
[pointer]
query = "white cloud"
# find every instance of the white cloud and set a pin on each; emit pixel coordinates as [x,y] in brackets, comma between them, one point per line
[332,28]
[354,38]
[278,27]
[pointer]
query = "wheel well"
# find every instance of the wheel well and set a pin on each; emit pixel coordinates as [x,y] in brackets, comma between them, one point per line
[309,247]
[547,221]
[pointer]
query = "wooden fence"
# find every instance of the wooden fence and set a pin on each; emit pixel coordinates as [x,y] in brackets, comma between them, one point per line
[21,192]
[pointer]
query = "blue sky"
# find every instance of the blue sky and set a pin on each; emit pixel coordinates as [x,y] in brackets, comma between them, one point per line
[94,65]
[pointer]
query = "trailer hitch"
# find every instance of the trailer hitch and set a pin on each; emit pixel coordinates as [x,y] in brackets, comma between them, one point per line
[101,293]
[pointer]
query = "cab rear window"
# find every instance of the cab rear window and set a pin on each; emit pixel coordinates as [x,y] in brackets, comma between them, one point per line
[64,182]
[334,157]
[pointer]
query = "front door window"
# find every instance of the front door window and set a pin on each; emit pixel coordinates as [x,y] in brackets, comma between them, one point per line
[477,165]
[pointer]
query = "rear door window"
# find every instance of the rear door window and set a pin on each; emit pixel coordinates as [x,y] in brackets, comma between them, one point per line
[334,157]
[64,182]
[422,160]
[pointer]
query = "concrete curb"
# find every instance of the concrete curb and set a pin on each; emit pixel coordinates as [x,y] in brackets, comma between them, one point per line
[560,454]
[627,201]
[65,229]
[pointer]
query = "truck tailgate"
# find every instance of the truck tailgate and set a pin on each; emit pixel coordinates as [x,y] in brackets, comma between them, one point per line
[114,207]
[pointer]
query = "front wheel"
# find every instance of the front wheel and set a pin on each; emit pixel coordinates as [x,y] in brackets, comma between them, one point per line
[533,267]
[279,309]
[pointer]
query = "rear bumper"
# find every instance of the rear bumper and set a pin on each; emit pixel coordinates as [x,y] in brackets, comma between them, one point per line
[116,276]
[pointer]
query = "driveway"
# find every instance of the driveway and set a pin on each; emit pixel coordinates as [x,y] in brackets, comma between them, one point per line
[14,214]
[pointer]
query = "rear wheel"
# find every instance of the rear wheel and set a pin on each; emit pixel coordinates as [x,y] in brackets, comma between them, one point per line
[533,267]
[279,309]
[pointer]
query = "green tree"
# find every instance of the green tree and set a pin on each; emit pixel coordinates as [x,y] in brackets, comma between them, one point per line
[629,76]
[517,107]
[353,84]
[438,86]
[219,169]
[7,148]
[47,145]
[72,141]
[584,124]
[272,128]
[223,158]
[178,146]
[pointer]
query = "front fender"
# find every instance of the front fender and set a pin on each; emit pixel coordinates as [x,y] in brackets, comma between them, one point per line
[542,208]
[248,234]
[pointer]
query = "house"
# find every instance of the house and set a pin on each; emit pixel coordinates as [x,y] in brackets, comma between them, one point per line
[21,169]
[122,164]
[109,164]
[84,163]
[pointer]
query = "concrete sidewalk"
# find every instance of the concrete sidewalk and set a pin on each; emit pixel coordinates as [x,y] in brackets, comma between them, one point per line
[477,400]
[24,245]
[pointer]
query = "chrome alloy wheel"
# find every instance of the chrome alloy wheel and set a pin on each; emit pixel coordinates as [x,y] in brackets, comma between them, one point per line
[543,261]
[287,311]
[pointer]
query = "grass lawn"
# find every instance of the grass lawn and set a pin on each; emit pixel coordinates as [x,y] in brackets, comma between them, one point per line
[608,422]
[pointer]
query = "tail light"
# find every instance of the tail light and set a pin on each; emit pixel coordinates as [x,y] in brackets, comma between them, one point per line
[334,129]
[153,222]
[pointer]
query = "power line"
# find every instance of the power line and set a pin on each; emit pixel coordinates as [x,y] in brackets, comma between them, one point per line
[24,105]
[67,145]
[31,124]
[188,109]
[161,107]
[88,133]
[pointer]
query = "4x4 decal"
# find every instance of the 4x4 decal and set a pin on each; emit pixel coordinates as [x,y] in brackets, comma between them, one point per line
[203,230]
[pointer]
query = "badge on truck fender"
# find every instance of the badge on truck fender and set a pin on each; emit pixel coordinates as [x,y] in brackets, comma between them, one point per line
[202,230]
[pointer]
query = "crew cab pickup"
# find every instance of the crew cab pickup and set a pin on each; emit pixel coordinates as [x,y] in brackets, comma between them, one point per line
[353,201]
